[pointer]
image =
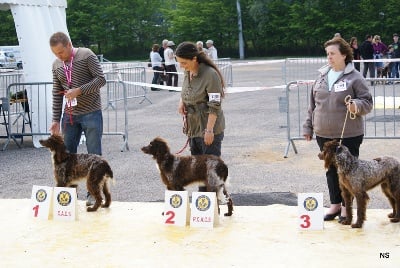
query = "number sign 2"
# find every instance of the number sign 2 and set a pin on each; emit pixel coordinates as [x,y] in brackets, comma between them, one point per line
[176,208]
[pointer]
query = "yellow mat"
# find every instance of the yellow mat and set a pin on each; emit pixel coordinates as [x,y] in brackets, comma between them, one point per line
[133,235]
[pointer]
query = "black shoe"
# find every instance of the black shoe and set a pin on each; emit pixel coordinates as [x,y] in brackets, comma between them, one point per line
[341,219]
[331,217]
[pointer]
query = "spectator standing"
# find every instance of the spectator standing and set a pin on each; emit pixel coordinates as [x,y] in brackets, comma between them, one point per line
[170,64]
[380,49]
[200,47]
[164,45]
[396,53]
[156,63]
[212,51]
[367,53]
[327,112]
[77,80]
[389,65]
[356,52]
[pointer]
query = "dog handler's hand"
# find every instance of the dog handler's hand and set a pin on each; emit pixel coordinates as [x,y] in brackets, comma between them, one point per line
[181,108]
[208,138]
[73,93]
[308,137]
[55,128]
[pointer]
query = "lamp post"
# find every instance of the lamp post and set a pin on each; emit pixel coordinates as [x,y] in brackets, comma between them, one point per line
[382,17]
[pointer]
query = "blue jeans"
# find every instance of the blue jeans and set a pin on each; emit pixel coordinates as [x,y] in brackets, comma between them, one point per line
[92,126]
[395,69]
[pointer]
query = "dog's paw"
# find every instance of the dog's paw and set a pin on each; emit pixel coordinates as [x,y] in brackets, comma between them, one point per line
[91,209]
[391,215]
[346,222]
[395,220]
[356,225]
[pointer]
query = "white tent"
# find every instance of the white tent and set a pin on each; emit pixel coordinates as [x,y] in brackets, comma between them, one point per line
[35,21]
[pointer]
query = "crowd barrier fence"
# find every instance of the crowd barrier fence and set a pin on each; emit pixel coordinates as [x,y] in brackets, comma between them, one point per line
[24,111]
[381,123]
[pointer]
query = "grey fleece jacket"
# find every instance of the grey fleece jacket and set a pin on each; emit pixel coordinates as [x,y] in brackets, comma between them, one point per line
[327,109]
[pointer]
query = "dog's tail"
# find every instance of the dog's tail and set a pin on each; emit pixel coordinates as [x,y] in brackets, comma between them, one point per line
[109,173]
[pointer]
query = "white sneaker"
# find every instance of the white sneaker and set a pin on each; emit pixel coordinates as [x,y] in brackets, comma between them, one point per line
[89,200]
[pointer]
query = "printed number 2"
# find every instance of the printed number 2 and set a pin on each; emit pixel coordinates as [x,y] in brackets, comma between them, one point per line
[36,209]
[306,221]
[170,219]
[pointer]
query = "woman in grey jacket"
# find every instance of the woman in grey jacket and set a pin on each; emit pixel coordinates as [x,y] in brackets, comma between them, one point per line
[328,108]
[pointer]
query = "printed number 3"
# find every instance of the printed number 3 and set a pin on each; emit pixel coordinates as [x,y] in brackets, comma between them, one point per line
[170,219]
[306,221]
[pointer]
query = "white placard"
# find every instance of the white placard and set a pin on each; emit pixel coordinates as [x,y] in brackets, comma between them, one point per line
[311,211]
[204,209]
[176,208]
[41,201]
[64,204]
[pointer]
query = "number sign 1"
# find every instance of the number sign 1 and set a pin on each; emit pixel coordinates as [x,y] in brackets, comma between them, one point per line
[41,201]
[176,208]
[311,211]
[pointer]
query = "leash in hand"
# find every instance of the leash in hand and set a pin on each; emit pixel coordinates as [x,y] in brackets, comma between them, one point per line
[185,131]
[347,101]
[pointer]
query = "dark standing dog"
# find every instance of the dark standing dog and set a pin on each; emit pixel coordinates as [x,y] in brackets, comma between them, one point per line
[69,169]
[357,176]
[179,171]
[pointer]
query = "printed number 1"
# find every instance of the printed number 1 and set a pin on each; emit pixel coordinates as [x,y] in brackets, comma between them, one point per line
[170,219]
[36,209]
[306,220]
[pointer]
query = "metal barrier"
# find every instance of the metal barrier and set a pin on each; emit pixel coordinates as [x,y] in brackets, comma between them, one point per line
[225,67]
[131,74]
[381,123]
[22,112]
[115,115]
[295,69]
[9,78]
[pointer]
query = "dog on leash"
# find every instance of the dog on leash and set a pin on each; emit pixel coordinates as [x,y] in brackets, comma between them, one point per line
[357,176]
[180,171]
[69,169]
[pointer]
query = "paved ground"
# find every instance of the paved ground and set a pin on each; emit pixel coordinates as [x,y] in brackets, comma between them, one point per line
[253,148]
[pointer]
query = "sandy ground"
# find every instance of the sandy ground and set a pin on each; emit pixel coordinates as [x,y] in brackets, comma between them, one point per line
[132,234]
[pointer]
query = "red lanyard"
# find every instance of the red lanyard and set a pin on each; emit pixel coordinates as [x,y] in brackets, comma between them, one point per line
[68,76]
[68,70]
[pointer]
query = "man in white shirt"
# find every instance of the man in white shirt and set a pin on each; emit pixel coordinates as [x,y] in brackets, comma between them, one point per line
[212,51]
[170,64]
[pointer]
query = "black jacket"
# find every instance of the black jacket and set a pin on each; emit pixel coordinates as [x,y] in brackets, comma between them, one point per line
[367,50]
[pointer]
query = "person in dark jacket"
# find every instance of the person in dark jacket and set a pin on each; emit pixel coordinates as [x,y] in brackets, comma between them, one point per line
[367,53]
[396,54]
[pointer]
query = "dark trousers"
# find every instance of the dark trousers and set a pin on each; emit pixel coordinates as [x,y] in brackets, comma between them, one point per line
[198,147]
[156,76]
[371,67]
[171,73]
[332,177]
